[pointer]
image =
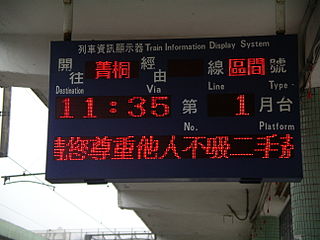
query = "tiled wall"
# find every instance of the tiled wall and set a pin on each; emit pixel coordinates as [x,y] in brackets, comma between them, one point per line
[265,228]
[305,196]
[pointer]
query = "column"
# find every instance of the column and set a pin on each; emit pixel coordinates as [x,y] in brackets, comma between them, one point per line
[305,196]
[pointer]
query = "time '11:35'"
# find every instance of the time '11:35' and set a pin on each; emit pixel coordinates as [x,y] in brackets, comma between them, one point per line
[113,107]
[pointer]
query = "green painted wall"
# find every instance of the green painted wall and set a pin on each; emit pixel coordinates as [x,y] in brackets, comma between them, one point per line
[11,231]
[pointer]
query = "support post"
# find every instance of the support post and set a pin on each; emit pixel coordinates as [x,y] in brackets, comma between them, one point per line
[280,16]
[5,125]
[68,20]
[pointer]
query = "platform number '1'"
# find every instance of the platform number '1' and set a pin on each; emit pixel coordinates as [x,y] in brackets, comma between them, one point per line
[242,106]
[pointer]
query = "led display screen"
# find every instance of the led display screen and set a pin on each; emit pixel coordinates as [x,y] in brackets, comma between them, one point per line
[111,69]
[210,109]
[185,67]
[230,105]
[173,147]
[112,107]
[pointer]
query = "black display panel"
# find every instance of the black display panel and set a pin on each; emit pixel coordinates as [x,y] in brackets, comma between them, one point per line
[203,109]
[185,67]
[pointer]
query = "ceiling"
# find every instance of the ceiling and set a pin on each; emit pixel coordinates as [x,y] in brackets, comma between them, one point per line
[152,18]
[172,210]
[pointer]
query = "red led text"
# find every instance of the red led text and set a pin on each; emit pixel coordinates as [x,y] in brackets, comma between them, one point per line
[247,66]
[112,107]
[273,146]
[112,69]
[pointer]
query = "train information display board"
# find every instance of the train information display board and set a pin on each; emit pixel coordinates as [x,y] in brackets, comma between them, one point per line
[210,109]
